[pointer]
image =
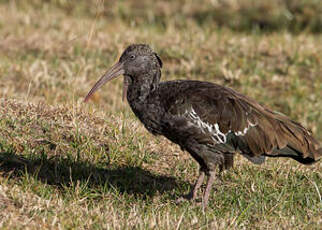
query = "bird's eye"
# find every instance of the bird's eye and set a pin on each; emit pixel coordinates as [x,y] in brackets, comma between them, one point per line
[132,56]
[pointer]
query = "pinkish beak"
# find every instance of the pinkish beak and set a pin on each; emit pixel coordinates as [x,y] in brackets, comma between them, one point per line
[114,72]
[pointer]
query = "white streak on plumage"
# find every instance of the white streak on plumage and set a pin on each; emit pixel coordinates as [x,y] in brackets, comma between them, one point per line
[216,135]
[243,133]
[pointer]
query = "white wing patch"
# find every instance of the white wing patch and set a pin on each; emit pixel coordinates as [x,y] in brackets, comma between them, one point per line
[242,133]
[216,135]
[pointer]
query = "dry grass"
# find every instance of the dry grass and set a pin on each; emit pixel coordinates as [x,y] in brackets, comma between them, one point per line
[66,165]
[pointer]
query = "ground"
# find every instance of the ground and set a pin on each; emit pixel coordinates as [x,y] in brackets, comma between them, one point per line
[69,165]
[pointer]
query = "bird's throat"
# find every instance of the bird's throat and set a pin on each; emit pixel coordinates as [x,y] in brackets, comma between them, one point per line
[139,88]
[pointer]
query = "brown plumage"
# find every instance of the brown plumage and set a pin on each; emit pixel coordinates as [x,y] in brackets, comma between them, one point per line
[269,133]
[209,121]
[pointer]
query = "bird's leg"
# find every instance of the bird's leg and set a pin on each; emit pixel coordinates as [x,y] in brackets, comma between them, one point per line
[210,181]
[193,192]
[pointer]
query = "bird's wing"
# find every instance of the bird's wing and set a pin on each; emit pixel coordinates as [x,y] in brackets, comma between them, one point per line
[228,117]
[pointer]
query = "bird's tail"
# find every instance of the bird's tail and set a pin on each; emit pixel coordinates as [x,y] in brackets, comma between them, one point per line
[301,146]
[296,155]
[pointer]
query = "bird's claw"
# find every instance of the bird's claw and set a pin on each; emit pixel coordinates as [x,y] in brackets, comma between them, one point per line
[197,202]
[187,197]
[180,200]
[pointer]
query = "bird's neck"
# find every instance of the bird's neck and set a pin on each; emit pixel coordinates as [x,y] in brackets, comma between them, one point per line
[140,87]
[143,97]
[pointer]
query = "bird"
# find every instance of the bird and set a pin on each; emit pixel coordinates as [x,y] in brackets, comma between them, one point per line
[210,121]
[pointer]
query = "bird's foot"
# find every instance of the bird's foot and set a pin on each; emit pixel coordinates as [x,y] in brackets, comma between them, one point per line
[193,193]
[196,202]
[187,197]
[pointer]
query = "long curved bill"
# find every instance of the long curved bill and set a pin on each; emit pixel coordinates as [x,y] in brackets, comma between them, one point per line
[115,71]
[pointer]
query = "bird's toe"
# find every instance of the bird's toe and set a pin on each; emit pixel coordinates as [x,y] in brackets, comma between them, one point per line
[183,198]
[180,200]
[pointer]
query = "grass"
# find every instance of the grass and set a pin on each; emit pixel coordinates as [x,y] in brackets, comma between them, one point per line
[67,165]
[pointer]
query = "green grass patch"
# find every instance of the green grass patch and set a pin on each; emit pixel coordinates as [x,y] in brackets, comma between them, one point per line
[69,165]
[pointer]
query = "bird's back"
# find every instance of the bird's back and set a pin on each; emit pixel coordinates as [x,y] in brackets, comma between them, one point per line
[220,117]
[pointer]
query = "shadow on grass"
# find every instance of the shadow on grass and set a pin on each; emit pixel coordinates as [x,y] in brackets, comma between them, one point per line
[65,172]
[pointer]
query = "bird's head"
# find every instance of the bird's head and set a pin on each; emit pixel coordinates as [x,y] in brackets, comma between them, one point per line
[136,62]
